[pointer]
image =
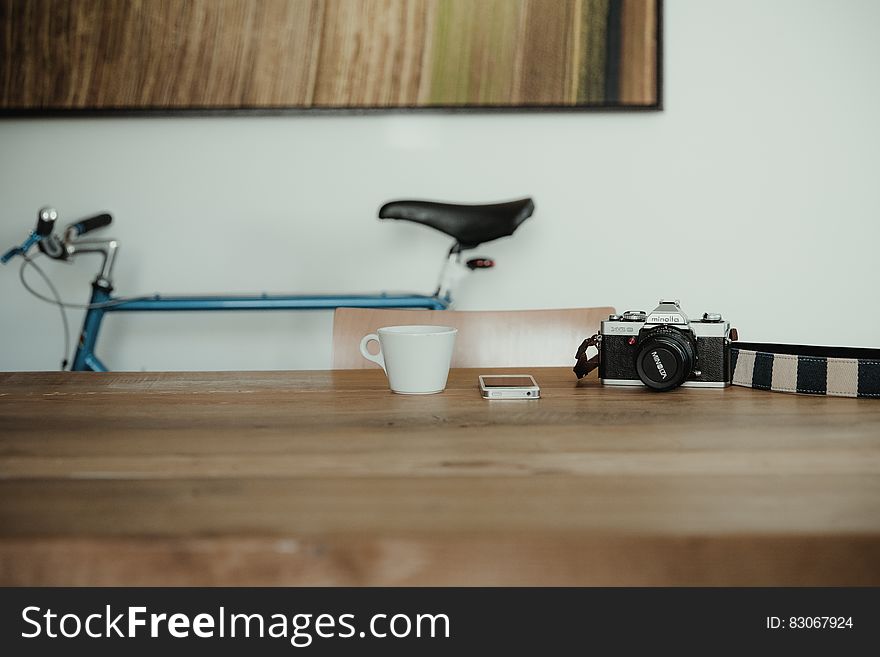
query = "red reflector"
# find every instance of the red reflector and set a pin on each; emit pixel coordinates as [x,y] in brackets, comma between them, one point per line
[631,341]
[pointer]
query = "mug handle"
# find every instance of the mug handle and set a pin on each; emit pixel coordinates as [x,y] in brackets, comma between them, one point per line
[379,359]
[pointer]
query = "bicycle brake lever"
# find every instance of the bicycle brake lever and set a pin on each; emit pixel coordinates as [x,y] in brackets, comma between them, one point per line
[32,239]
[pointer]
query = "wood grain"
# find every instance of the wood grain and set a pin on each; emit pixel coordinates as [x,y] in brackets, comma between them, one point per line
[548,71]
[328,478]
[371,53]
[638,70]
[161,53]
[357,560]
[591,50]
[475,52]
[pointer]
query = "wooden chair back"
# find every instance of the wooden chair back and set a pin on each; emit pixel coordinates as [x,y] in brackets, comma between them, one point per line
[515,338]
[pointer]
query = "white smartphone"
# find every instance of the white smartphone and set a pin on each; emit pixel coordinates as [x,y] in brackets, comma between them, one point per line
[509,386]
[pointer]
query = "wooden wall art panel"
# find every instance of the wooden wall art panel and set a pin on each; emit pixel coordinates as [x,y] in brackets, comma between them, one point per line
[58,55]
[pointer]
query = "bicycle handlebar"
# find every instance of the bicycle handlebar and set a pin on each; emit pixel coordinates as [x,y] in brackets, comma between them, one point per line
[50,244]
[92,223]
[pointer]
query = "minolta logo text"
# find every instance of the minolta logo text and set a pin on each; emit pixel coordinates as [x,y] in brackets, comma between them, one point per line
[665,319]
[659,364]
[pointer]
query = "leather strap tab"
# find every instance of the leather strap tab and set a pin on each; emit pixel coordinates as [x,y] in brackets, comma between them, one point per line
[586,365]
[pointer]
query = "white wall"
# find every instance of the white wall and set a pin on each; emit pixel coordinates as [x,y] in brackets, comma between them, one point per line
[754,192]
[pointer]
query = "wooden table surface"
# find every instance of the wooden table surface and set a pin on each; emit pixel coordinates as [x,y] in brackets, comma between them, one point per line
[325,477]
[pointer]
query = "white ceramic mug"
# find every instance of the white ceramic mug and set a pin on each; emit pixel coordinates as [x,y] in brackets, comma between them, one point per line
[415,358]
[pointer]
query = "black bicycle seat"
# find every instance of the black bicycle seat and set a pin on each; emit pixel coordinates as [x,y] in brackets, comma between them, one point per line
[469,225]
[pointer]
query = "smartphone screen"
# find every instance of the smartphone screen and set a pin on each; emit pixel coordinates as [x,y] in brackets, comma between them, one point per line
[508,381]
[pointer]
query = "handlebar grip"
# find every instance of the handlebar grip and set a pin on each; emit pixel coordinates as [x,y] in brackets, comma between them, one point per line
[45,221]
[92,223]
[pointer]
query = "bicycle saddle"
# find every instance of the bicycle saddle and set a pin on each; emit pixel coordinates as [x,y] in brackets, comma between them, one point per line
[470,225]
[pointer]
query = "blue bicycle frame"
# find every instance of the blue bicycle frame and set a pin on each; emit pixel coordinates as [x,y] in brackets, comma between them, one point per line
[102,302]
[467,228]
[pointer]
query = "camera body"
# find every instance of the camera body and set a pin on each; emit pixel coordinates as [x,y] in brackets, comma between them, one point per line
[664,349]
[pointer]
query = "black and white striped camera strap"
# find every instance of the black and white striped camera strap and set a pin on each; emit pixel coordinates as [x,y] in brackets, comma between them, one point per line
[838,371]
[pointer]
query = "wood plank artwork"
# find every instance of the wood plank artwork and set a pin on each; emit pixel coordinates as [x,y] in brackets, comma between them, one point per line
[240,54]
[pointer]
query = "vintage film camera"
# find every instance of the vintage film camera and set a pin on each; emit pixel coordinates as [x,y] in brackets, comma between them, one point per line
[661,350]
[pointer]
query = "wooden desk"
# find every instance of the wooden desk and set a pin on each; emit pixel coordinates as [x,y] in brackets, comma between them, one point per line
[327,478]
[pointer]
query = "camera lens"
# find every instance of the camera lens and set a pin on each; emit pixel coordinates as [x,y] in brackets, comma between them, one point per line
[665,358]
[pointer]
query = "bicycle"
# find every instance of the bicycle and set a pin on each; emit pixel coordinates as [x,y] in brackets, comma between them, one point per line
[469,225]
